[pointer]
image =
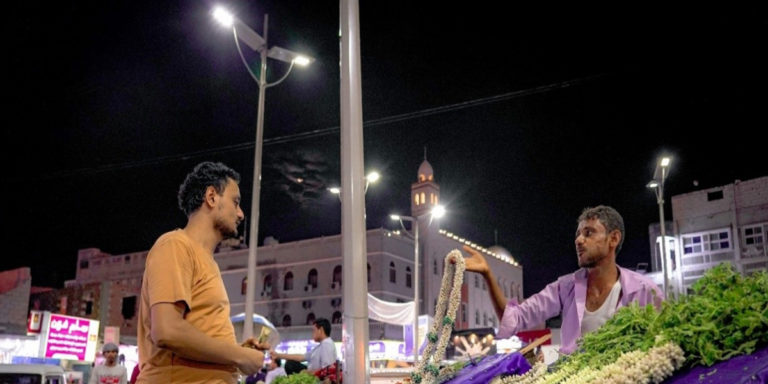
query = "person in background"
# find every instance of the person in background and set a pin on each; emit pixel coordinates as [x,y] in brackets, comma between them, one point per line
[586,298]
[322,355]
[184,331]
[110,372]
[275,370]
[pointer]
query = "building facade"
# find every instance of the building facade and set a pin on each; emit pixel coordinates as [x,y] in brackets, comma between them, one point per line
[299,281]
[721,224]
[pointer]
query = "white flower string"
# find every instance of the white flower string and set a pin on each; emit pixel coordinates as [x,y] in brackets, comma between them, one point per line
[427,369]
[636,367]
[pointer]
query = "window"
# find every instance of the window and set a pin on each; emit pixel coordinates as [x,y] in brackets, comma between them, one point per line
[716,195]
[392,272]
[83,264]
[485,319]
[129,307]
[88,307]
[477,317]
[416,198]
[244,285]
[369,273]
[434,266]
[484,287]
[463,312]
[477,282]
[336,318]
[288,283]
[268,284]
[408,277]
[422,197]
[754,240]
[287,321]
[337,276]
[706,242]
[312,278]
[310,318]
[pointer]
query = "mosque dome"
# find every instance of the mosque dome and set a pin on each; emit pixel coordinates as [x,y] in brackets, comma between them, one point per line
[501,251]
[425,172]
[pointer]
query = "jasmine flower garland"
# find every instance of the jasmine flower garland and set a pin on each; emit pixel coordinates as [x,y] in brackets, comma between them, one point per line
[427,369]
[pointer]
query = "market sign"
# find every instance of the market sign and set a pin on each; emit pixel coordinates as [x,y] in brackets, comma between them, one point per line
[69,337]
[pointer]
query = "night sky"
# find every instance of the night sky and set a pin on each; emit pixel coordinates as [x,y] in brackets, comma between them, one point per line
[527,116]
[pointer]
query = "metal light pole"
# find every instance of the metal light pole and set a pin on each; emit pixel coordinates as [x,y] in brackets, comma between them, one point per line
[657,184]
[354,336]
[258,44]
[436,212]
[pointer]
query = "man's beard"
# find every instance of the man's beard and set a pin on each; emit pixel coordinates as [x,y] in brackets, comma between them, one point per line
[225,231]
[590,262]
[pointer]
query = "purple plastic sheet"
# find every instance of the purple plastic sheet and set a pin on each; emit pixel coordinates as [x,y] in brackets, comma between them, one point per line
[749,369]
[490,367]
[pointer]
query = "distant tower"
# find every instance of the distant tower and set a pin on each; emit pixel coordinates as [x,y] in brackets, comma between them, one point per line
[425,193]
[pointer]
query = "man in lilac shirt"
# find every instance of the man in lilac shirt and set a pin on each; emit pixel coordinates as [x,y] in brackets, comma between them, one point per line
[585,298]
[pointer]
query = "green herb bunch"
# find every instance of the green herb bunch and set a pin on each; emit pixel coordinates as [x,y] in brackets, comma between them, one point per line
[725,316]
[297,378]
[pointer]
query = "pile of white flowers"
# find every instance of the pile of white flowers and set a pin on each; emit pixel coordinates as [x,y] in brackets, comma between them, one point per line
[636,367]
[427,369]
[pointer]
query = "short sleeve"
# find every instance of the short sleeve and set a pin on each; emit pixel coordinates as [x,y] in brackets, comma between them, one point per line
[169,272]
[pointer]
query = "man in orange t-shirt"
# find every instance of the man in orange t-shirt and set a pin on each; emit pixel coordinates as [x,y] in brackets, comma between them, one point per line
[184,333]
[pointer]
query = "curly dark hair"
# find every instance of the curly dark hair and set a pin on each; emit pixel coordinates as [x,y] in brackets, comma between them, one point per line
[609,217]
[205,174]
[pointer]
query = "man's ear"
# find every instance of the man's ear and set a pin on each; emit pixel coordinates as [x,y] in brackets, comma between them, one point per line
[615,238]
[210,196]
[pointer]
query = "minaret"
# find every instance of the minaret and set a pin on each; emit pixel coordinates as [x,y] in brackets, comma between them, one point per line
[425,193]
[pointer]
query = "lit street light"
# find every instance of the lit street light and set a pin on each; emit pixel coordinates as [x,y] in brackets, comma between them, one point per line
[657,184]
[371,178]
[437,212]
[258,44]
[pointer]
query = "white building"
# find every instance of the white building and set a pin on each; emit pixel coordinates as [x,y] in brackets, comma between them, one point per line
[721,224]
[299,281]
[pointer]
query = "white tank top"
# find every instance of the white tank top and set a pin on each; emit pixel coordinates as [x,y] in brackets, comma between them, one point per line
[596,319]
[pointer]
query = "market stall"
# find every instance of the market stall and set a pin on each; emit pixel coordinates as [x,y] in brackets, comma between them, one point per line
[717,334]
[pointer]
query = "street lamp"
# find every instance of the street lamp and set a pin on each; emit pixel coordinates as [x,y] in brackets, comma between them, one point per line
[657,184]
[371,178]
[437,212]
[258,44]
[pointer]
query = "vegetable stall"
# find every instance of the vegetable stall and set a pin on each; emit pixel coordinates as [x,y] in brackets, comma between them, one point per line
[717,333]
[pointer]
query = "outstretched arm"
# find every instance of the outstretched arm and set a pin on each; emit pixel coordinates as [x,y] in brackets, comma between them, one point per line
[476,263]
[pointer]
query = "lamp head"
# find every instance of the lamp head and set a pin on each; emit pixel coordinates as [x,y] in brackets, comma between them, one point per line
[652,184]
[302,60]
[394,217]
[372,177]
[438,211]
[335,190]
[223,16]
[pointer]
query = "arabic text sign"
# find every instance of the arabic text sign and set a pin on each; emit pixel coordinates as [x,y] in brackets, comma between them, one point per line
[71,338]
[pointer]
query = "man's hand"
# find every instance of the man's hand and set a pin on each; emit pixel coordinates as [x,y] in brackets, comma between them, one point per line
[253,343]
[475,262]
[251,361]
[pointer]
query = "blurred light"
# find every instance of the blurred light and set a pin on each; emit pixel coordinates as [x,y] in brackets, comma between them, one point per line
[302,60]
[665,161]
[223,16]
[438,211]
[373,177]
